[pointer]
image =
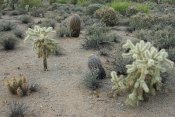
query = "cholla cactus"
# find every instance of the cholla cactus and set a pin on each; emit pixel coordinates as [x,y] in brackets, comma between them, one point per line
[42,43]
[18,85]
[144,73]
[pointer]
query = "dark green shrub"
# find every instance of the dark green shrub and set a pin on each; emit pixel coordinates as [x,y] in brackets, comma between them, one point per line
[8,41]
[26,19]
[107,15]
[6,26]
[17,109]
[91,9]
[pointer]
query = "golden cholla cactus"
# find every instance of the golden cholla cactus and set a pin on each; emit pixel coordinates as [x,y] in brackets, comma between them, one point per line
[18,85]
[42,43]
[144,73]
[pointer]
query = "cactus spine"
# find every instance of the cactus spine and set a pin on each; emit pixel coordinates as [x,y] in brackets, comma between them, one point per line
[144,73]
[75,25]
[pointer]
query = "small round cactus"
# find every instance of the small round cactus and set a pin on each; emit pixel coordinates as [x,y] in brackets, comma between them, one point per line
[75,25]
[94,63]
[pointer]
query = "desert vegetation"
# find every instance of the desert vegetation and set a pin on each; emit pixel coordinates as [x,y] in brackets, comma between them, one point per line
[106,58]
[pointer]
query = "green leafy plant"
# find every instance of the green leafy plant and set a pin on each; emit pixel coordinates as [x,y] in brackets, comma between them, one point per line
[143,74]
[42,43]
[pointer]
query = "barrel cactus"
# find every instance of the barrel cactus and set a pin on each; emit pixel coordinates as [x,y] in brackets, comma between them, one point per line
[94,64]
[75,25]
[144,73]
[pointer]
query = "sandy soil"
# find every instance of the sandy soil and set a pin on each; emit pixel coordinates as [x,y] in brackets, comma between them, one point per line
[61,92]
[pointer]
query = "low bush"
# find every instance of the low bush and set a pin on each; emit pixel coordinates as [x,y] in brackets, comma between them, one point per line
[49,23]
[18,33]
[63,31]
[107,16]
[8,41]
[6,26]
[26,19]
[90,80]
[91,9]
[37,12]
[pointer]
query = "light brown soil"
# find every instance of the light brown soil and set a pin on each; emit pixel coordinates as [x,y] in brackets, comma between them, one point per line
[61,92]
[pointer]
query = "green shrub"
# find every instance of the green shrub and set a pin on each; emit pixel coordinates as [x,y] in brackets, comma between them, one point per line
[14,13]
[17,109]
[90,10]
[149,21]
[123,6]
[26,19]
[6,26]
[63,31]
[37,12]
[8,41]
[18,33]
[107,15]
[97,27]
[90,80]
[31,3]
[49,23]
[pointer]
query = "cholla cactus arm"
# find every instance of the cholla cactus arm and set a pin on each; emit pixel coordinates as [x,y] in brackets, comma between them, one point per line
[144,73]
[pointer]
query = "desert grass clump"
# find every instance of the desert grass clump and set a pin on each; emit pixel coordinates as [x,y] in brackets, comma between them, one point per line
[75,25]
[25,19]
[42,43]
[63,31]
[49,23]
[107,15]
[18,33]
[94,63]
[8,41]
[143,73]
[17,109]
[6,26]
[90,80]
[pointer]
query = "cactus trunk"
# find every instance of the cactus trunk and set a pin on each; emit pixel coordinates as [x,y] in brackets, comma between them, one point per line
[45,59]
